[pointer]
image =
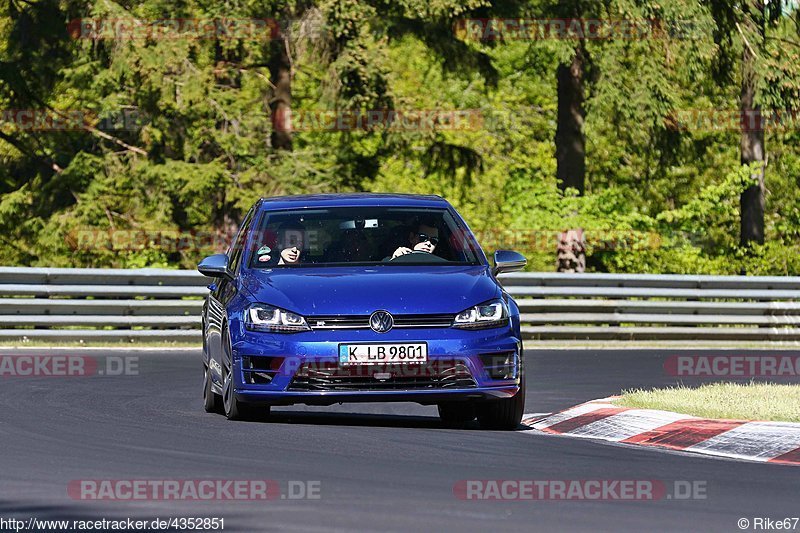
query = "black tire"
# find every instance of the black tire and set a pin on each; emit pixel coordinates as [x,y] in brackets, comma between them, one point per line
[212,402]
[505,414]
[233,408]
[456,414]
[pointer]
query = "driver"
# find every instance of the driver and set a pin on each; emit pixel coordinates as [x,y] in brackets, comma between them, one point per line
[423,239]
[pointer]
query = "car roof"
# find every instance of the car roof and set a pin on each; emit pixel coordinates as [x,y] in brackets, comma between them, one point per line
[301,201]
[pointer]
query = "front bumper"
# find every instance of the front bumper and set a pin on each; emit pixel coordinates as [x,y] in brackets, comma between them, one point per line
[418,396]
[469,348]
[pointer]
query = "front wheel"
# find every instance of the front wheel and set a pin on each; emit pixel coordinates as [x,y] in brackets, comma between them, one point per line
[211,400]
[505,414]
[233,408]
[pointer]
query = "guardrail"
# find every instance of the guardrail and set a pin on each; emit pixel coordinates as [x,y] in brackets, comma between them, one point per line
[656,307]
[82,304]
[157,304]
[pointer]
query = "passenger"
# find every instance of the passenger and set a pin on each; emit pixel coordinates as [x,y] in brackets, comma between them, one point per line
[291,240]
[423,238]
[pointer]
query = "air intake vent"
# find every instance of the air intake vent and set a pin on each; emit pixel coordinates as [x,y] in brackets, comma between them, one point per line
[500,366]
[440,374]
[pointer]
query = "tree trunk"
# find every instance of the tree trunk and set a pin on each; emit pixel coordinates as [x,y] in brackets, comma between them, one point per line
[751,201]
[280,69]
[570,140]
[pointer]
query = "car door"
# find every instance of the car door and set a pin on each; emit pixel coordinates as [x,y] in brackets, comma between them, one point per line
[222,292]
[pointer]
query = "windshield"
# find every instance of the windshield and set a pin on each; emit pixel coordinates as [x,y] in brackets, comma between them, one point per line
[374,235]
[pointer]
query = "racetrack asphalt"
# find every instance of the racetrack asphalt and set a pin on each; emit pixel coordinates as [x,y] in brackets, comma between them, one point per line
[387,467]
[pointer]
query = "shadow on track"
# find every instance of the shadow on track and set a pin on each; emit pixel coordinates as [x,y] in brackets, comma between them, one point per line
[363,420]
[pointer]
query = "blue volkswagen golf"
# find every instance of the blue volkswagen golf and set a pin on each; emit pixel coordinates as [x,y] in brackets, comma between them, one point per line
[335,298]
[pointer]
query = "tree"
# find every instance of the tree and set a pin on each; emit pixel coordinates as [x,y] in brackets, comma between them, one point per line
[754,23]
[752,136]
[570,139]
[280,102]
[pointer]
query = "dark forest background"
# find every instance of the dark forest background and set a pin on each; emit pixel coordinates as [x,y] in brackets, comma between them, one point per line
[675,149]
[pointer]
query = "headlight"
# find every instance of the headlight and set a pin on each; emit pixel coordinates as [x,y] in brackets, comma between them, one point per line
[260,317]
[486,315]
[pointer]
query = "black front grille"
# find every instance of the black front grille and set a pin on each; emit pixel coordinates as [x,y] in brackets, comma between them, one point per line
[362,321]
[434,375]
[418,321]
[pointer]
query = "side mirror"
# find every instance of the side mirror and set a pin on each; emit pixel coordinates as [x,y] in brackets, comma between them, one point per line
[214,266]
[508,261]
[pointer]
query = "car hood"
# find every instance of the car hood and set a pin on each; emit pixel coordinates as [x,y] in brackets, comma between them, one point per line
[362,290]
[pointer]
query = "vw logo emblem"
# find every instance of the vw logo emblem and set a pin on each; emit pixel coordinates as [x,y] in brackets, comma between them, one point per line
[381,321]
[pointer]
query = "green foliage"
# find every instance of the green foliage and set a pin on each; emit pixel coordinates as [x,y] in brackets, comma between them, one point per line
[660,196]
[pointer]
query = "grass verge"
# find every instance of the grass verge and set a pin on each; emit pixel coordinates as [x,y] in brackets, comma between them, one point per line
[749,401]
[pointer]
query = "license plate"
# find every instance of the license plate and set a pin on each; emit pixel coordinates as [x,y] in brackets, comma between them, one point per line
[375,354]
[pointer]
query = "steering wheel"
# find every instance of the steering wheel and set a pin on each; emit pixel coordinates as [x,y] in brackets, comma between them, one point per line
[419,256]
